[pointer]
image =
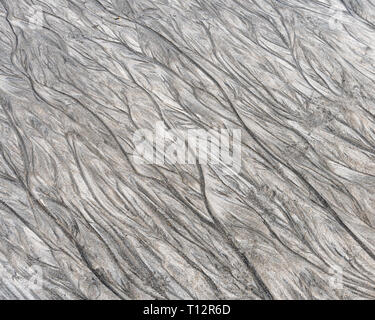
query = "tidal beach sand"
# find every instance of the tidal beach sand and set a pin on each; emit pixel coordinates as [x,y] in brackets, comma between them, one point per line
[83,86]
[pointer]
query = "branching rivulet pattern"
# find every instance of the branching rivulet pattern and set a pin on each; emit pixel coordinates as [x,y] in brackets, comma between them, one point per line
[79,78]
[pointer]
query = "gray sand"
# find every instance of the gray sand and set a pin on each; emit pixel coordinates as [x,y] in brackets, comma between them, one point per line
[82,218]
